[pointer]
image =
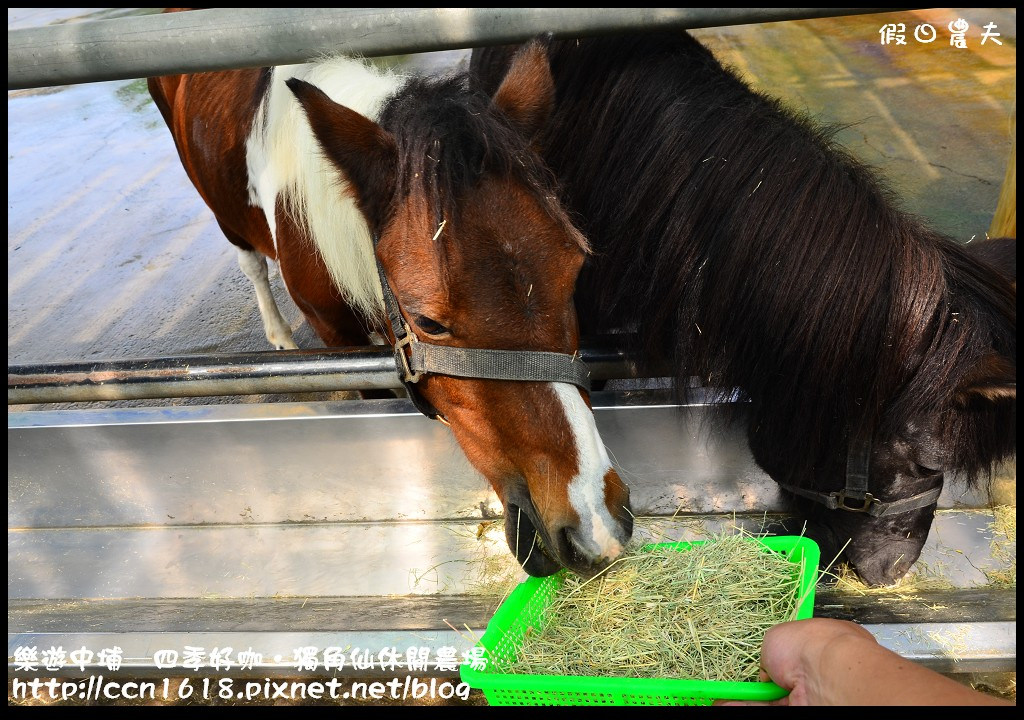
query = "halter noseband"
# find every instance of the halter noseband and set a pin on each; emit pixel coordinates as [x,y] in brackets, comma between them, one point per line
[429,359]
[858,463]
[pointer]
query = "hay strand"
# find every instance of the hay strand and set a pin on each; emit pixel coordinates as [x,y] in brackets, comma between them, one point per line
[699,613]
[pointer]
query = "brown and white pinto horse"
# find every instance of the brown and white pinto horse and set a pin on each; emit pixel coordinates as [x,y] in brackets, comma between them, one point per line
[308,164]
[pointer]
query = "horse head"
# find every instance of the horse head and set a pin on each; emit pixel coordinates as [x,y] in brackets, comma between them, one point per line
[479,255]
[955,415]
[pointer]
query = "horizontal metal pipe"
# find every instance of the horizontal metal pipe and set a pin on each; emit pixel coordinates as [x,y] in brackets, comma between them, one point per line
[226,38]
[289,371]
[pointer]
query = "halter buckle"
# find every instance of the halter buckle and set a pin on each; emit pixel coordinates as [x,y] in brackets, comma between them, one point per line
[841,497]
[406,370]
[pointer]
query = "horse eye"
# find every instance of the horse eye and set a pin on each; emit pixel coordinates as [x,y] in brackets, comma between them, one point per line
[431,326]
[923,471]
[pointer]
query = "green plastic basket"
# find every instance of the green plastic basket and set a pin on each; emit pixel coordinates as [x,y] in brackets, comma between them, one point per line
[525,608]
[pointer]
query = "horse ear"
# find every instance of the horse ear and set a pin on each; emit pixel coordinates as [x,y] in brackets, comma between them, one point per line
[993,379]
[527,94]
[364,151]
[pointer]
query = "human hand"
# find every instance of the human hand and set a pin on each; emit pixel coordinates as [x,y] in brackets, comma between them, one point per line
[792,656]
[822,661]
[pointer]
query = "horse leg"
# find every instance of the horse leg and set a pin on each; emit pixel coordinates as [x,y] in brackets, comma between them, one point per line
[254,265]
[336,323]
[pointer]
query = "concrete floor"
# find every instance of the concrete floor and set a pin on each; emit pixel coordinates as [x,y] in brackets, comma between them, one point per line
[112,254]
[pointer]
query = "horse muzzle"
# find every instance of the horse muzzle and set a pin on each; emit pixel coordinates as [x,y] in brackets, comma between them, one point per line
[543,551]
[887,564]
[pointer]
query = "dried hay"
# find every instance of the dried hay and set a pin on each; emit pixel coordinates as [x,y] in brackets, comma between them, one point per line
[699,614]
[1004,546]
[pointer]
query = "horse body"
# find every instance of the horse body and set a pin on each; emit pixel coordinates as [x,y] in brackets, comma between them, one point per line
[255,162]
[348,177]
[740,244]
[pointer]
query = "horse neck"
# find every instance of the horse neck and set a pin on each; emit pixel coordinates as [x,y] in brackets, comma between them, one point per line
[736,237]
[286,165]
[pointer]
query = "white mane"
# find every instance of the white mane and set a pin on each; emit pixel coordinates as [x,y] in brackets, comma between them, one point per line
[285,161]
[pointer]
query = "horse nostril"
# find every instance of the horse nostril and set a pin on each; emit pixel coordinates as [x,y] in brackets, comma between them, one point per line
[579,553]
[626,519]
[880,572]
[573,554]
[900,568]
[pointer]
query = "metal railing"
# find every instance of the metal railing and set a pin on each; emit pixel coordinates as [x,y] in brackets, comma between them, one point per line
[256,373]
[225,38]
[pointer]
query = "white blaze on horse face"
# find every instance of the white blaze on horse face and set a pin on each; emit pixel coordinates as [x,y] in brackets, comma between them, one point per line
[597,528]
[285,162]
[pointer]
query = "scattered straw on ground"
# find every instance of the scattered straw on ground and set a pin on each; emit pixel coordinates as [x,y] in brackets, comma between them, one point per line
[494,571]
[955,643]
[922,578]
[1004,546]
[699,613]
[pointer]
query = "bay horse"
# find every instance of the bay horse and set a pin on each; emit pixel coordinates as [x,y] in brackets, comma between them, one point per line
[417,207]
[742,245]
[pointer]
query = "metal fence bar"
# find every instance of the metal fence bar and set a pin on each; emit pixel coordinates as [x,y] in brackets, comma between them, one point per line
[225,38]
[357,368]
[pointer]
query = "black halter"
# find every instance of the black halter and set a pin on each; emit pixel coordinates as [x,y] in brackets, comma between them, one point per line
[858,463]
[426,358]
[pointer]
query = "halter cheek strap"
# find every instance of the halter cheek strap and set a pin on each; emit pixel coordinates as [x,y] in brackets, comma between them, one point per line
[429,359]
[858,462]
[403,337]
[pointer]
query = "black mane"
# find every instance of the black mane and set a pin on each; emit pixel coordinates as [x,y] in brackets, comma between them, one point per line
[762,256]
